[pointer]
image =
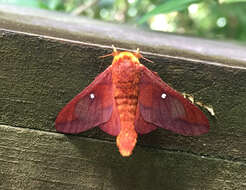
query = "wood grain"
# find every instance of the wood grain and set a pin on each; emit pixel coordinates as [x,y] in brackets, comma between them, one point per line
[33,159]
[46,61]
[39,76]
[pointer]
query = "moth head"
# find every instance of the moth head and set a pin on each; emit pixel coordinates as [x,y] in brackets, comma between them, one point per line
[126,55]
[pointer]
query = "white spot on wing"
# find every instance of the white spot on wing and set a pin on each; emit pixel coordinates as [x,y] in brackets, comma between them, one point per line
[163,96]
[92,96]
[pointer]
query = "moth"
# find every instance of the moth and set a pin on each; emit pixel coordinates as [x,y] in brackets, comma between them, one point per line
[128,99]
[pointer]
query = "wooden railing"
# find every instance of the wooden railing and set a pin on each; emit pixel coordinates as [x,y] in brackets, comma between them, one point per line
[47,58]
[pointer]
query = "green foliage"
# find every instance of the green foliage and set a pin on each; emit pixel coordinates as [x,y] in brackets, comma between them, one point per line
[167,7]
[27,3]
[231,1]
[206,18]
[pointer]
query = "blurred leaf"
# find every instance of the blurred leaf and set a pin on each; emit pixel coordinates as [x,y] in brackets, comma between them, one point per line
[201,19]
[56,5]
[167,7]
[106,3]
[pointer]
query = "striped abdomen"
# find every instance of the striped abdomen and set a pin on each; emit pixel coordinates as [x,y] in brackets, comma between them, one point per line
[126,98]
[125,76]
[125,80]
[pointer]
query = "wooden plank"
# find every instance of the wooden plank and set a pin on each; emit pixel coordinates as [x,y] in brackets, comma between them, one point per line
[33,159]
[43,65]
[40,75]
[67,27]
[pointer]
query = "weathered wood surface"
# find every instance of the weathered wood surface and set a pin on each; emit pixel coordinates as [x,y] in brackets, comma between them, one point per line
[48,58]
[33,159]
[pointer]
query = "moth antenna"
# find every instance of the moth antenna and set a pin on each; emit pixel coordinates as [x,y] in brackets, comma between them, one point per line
[114,53]
[139,55]
[137,51]
[114,48]
[103,56]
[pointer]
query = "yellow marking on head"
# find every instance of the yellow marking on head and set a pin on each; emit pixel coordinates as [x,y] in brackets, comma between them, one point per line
[124,55]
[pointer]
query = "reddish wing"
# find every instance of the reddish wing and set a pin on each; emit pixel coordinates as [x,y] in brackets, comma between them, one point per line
[112,126]
[90,108]
[141,126]
[162,106]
